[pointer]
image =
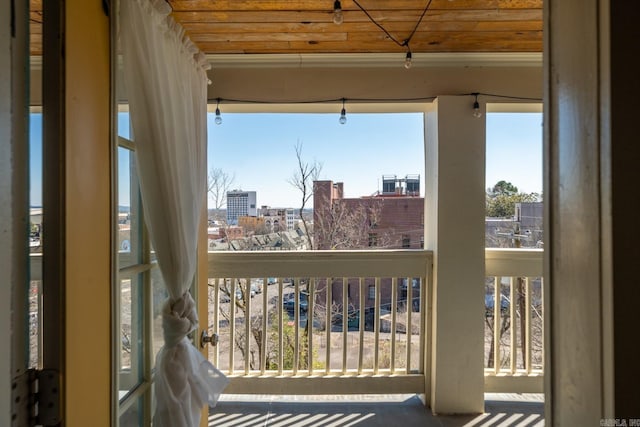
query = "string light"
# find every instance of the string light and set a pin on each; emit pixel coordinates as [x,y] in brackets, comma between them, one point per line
[338,17]
[407,60]
[405,42]
[476,106]
[218,118]
[426,98]
[343,114]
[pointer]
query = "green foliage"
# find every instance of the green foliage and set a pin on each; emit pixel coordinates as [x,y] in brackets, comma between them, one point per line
[502,198]
[384,355]
[288,346]
[502,187]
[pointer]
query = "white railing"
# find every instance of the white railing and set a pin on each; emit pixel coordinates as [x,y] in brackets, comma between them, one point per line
[514,325]
[321,322]
[376,350]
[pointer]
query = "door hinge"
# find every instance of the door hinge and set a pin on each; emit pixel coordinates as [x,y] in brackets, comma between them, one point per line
[36,398]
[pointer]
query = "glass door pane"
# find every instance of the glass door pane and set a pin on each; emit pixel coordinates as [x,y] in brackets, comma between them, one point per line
[36,236]
[131,334]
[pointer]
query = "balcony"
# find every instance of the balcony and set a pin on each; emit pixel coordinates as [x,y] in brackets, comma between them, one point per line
[330,322]
[514,327]
[379,351]
[358,322]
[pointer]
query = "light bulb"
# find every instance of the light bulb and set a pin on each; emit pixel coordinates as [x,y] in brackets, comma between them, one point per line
[218,118]
[407,61]
[338,18]
[476,110]
[343,117]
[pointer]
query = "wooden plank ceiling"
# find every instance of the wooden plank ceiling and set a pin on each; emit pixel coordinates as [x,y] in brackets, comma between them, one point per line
[306,26]
[35,27]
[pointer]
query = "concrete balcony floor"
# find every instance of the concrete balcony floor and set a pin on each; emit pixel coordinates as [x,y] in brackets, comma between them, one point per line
[501,409]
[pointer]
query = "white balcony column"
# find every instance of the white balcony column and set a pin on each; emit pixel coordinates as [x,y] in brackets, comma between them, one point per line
[454,231]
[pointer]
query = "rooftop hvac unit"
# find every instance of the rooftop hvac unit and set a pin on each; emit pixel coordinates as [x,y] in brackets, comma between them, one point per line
[413,184]
[389,184]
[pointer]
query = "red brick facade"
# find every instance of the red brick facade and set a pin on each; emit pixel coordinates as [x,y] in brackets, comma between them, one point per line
[387,221]
[393,221]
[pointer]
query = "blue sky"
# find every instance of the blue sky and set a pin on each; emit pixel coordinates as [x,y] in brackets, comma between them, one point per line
[514,150]
[259,150]
[35,154]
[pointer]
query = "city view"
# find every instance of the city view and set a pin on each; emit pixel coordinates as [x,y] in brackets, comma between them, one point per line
[299,200]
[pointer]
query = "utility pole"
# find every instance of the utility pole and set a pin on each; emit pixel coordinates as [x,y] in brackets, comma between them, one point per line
[521,301]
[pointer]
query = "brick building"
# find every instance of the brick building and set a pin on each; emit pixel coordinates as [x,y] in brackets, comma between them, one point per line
[278,219]
[390,219]
[252,224]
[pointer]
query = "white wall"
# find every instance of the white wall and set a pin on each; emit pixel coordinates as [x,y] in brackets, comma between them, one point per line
[285,82]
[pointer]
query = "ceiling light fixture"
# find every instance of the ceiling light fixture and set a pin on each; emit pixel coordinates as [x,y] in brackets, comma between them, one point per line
[407,60]
[338,17]
[405,42]
[343,114]
[218,118]
[476,106]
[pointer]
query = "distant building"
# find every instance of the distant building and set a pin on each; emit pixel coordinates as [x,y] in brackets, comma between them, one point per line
[35,230]
[278,219]
[225,233]
[250,222]
[390,219]
[240,203]
[524,229]
[529,215]
[284,240]
[232,232]
[214,233]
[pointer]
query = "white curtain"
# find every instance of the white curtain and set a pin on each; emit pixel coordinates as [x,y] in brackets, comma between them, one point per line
[165,79]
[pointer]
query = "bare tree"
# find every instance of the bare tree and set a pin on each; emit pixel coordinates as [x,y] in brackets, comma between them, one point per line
[302,179]
[518,324]
[342,226]
[237,301]
[219,182]
[505,324]
[236,294]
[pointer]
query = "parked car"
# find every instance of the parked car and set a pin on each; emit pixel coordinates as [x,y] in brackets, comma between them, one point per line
[256,286]
[289,302]
[239,293]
